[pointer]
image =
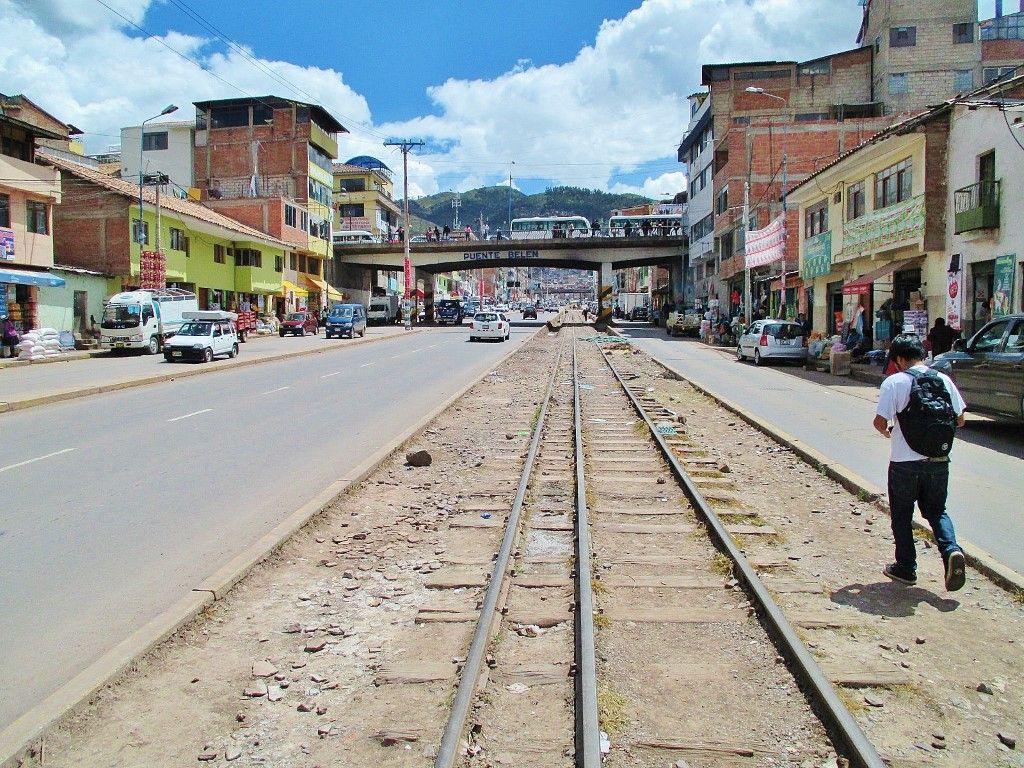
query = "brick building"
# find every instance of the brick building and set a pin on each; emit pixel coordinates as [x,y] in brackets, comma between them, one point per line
[267,162]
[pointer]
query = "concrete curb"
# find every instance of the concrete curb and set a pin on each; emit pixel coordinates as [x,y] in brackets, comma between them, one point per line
[978,558]
[229,365]
[22,732]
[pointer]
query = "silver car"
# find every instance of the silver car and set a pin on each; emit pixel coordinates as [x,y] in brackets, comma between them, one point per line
[772,340]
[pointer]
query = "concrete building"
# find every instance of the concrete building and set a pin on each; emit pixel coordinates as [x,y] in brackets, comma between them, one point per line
[267,162]
[28,194]
[364,197]
[984,226]
[165,148]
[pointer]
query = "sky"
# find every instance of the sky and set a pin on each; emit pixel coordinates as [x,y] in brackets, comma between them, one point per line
[588,93]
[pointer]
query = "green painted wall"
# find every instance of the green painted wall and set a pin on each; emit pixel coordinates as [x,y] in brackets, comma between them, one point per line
[56,305]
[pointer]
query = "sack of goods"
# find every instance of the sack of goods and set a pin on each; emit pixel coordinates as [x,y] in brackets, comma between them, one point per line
[40,344]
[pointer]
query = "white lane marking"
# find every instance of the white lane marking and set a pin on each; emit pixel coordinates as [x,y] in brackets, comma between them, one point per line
[417,350]
[366,365]
[279,389]
[328,375]
[432,346]
[189,415]
[395,357]
[38,458]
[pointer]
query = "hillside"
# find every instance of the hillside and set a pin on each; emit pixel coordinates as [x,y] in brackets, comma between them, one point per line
[492,203]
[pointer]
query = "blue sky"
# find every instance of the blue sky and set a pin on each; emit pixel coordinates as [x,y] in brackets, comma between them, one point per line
[589,93]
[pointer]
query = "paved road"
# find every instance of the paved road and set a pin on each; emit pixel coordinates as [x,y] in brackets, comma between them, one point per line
[125,501]
[834,416]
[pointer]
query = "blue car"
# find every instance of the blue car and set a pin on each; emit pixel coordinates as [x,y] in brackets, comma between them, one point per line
[346,320]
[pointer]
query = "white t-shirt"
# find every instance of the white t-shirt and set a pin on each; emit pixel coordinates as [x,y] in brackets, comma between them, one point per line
[894,397]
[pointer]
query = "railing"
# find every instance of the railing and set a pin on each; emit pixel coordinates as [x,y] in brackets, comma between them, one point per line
[976,206]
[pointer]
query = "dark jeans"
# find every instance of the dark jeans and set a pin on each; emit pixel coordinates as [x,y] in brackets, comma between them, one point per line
[924,483]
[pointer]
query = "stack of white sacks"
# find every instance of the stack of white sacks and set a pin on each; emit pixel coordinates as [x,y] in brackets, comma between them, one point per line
[39,344]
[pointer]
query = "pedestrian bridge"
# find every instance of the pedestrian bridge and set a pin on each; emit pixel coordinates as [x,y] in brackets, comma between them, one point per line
[590,253]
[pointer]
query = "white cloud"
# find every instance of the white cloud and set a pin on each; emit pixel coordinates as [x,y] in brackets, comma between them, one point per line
[619,105]
[660,187]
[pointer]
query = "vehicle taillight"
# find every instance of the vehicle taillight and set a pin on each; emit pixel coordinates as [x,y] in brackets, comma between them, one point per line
[500,326]
[764,340]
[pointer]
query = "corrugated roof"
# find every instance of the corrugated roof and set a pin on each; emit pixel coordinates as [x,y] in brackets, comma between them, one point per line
[168,202]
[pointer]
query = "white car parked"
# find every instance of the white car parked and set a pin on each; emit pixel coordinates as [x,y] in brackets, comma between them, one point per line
[772,340]
[490,325]
[204,335]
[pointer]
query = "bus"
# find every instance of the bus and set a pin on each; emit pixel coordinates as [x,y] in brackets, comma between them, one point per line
[659,225]
[342,236]
[548,227]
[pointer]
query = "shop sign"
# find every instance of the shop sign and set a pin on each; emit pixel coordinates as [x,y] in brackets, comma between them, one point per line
[887,226]
[817,256]
[1002,285]
[3,300]
[955,299]
[6,244]
[407,267]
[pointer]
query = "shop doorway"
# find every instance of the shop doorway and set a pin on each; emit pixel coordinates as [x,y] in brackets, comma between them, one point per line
[834,313]
[980,312]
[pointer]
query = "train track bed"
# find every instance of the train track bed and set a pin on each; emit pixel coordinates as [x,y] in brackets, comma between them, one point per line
[686,671]
[932,677]
[344,647]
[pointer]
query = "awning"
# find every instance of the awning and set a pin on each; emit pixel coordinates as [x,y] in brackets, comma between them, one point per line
[299,292]
[314,283]
[862,284]
[793,280]
[334,294]
[20,277]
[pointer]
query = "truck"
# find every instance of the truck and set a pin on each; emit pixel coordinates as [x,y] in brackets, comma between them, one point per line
[633,305]
[448,311]
[144,319]
[683,322]
[384,309]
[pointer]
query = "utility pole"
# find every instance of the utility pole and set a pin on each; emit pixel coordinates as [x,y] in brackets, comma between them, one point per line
[511,163]
[456,204]
[405,145]
[747,308]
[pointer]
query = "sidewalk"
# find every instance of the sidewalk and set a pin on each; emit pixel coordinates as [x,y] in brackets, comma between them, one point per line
[34,384]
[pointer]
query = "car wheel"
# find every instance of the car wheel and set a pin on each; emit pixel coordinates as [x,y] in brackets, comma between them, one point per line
[154,345]
[316,331]
[739,354]
[168,358]
[282,333]
[234,352]
[362,333]
[757,357]
[302,331]
[207,355]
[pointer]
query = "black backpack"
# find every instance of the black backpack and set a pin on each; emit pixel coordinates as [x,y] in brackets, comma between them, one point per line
[928,423]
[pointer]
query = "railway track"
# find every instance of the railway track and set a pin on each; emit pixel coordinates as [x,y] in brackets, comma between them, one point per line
[621,625]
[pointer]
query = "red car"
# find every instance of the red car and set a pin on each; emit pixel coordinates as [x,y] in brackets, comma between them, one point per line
[299,324]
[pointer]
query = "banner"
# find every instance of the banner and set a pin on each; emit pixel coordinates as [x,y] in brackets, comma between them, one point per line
[152,270]
[817,256]
[1002,286]
[767,245]
[407,266]
[6,244]
[955,299]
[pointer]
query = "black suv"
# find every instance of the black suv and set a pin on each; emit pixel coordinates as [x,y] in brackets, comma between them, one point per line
[529,312]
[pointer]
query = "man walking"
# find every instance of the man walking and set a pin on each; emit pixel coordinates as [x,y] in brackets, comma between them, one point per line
[913,406]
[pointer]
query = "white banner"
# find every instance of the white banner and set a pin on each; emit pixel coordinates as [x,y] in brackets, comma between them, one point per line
[955,299]
[766,245]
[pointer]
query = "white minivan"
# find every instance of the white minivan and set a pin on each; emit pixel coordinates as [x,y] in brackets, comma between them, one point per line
[204,335]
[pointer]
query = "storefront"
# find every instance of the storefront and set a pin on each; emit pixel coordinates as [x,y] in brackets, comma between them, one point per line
[885,298]
[19,295]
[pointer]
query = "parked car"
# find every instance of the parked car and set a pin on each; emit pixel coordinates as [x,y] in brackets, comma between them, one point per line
[989,368]
[346,320]
[529,312]
[490,325]
[772,340]
[639,314]
[204,335]
[299,324]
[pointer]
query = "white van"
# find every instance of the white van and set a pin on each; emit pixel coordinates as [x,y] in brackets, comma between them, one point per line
[354,236]
[144,319]
[204,335]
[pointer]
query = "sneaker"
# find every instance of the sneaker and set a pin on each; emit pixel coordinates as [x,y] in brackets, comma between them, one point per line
[956,572]
[893,572]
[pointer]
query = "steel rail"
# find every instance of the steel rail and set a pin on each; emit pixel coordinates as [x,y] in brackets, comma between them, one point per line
[448,749]
[837,718]
[588,731]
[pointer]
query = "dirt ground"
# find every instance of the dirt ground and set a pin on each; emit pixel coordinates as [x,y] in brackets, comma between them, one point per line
[932,677]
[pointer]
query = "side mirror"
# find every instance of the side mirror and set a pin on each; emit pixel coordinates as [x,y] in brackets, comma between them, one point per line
[959,345]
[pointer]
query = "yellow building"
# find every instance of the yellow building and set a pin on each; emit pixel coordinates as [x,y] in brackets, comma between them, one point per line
[872,231]
[364,197]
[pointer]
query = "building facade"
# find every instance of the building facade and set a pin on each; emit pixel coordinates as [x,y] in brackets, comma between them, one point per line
[364,198]
[697,151]
[165,148]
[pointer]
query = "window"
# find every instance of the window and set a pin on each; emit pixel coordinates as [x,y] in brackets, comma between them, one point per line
[763,74]
[303,221]
[302,263]
[855,201]
[823,67]
[741,120]
[229,117]
[293,262]
[878,44]
[1008,27]
[816,219]
[140,232]
[279,263]
[990,338]
[352,185]
[320,158]
[902,37]
[218,254]
[289,215]
[991,74]
[351,209]
[963,33]
[37,218]
[248,257]
[320,193]
[313,266]
[178,240]
[963,80]
[808,117]
[722,201]
[5,210]
[702,228]
[262,114]
[893,185]
[154,140]
[898,83]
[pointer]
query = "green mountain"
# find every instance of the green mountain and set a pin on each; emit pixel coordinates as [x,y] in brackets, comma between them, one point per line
[492,204]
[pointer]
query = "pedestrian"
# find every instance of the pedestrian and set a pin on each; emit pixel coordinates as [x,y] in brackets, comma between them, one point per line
[8,336]
[447,234]
[437,234]
[919,410]
[401,235]
[941,337]
[485,230]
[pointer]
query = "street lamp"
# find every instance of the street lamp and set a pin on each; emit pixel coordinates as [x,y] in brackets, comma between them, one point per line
[142,144]
[511,163]
[785,171]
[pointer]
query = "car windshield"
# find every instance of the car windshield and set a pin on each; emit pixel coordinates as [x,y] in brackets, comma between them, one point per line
[297,316]
[486,317]
[122,313]
[195,329]
[341,312]
[783,330]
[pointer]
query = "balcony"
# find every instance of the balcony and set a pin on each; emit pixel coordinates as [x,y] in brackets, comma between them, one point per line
[976,207]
